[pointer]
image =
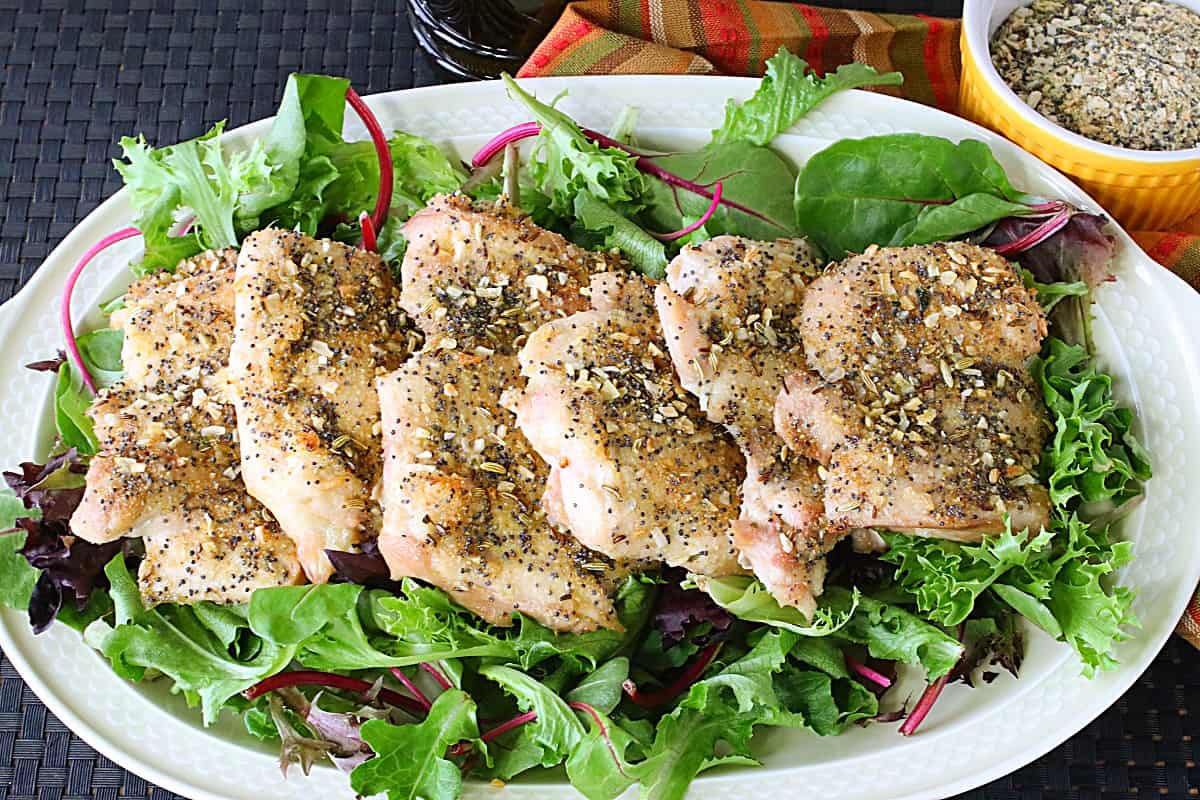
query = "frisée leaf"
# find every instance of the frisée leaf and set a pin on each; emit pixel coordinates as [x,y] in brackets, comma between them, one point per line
[787,92]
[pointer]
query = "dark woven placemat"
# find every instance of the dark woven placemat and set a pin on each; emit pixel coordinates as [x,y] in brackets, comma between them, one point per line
[78,75]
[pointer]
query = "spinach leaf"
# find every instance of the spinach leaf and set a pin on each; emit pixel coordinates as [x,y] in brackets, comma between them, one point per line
[756,191]
[901,189]
[601,689]
[598,767]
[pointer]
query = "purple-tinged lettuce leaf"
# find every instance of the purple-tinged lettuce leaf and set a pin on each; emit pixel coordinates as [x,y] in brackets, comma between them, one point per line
[71,568]
[1081,251]
[48,364]
[678,609]
[365,568]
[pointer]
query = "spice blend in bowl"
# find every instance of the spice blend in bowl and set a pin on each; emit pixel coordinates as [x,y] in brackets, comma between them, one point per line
[1118,72]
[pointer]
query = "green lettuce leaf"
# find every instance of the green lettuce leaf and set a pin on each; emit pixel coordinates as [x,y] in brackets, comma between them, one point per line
[306,127]
[101,351]
[556,731]
[762,687]
[746,598]
[420,171]
[410,760]
[786,93]
[193,179]
[71,402]
[208,651]
[288,615]
[423,624]
[891,633]
[16,576]
[643,250]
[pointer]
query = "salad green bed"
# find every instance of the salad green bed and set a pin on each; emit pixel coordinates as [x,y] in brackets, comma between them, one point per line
[410,693]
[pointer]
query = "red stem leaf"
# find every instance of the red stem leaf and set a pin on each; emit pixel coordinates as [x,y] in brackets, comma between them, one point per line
[502,139]
[505,727]
[718,187]
[413,689]
[386,171]
[1036,236]
[65,311]
[873,676]
[311,677]
[931,694]
[690,675]
[369,242]
[442,680]
[924,704]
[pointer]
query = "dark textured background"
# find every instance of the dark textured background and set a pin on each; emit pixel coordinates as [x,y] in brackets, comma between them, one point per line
[78,75]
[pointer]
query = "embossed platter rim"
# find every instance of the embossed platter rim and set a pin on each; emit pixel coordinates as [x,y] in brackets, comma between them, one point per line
[974,736]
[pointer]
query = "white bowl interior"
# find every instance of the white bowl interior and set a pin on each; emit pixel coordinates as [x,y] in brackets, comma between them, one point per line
[974,735]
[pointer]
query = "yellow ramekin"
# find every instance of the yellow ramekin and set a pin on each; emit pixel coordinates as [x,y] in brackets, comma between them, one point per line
[1142,190]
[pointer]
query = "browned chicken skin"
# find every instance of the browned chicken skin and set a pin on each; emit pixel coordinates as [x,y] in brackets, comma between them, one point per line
[168,464]
[639,472]
[729,311]
[462,487]
[919,402]
[316,321]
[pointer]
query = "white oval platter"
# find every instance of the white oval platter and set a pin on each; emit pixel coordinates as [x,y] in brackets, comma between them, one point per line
[1145,325]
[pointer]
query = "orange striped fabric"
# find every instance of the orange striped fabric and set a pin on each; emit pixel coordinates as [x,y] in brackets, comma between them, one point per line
[735,37]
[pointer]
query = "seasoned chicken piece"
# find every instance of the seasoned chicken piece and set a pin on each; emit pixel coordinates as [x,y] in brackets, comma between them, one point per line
[461,492]
[729,311]
[167,468]
[482,280]
[316,320]
[920,404]
[462,487]
[639,473]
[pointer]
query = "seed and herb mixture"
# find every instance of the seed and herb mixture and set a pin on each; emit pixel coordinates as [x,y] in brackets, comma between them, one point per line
[1122,73]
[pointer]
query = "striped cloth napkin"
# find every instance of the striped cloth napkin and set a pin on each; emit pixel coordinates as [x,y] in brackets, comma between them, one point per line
[735,37]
